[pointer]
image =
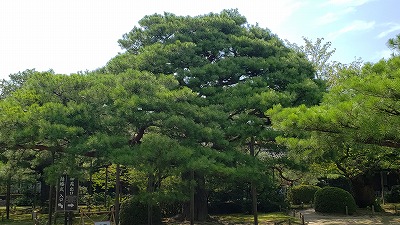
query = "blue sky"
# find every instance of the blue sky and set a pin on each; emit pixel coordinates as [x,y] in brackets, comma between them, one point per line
[78,35]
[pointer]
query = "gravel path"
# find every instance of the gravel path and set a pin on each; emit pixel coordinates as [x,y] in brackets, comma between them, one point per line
[313,218]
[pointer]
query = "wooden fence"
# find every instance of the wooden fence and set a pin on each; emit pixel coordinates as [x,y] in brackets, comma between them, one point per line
[292,221]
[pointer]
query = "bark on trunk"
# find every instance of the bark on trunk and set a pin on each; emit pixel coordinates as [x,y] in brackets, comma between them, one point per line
[192,199]
[50,204]
[117,194]
[200,200]
[150,189]
[8,199]
[106,189]
[363,191]
[253,186]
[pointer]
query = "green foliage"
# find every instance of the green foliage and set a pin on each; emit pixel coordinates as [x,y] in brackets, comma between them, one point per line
[234,196]
[340,182]
[394,44]
[334,200]
[302,194]
[189,94]
[394,195]
[237,71]
[134,212]
[354,128]
[377,206]
[318,54]
[16,81]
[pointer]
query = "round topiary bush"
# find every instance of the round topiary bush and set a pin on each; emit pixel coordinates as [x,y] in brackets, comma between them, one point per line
[334,200]
[302,194]
[134,212]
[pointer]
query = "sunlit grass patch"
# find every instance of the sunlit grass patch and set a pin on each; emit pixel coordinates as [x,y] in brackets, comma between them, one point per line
[242,218]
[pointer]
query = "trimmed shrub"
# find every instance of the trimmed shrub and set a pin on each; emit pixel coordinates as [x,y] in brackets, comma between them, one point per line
[334,200]
[134,212]
[302,194]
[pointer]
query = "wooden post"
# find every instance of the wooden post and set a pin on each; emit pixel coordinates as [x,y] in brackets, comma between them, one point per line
[65,218]
[302,220]
[347,211]
[373,209]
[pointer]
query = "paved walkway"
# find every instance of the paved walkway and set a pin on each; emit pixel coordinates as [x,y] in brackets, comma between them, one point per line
[313,218]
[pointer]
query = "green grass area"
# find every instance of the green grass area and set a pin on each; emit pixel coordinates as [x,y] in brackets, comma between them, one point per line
[25,219]
[19,218]
[262,218]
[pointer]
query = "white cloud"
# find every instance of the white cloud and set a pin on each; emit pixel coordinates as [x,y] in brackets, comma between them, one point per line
[392,27]
[356,25]
[346,2]
[387,53]
[276,13]
[74,35]
[334,16]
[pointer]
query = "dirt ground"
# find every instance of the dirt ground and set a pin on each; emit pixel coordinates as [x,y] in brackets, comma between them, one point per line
[362,218]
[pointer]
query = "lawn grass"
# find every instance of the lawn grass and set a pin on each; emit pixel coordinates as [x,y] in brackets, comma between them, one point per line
[262,218]
[25,219]
[20,218]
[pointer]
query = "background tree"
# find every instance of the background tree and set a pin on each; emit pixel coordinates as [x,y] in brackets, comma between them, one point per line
[394,44]
[353,129]
[14,82]
[15,170]
[319,54]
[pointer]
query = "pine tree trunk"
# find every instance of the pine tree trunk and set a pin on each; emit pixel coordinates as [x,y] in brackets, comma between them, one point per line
[8,199]
[117,193]
[200,200]
[150,189]
[192,199]
[253,186]
[50,204]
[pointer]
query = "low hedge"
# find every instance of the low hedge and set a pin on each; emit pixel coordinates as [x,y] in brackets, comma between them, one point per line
[334,200]
[302,194]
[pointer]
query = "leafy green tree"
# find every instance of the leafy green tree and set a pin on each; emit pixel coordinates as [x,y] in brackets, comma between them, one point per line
[100,115]
[354,130]
[53,113]
[14,82]
[14,170]
[319,53]
[394,44]
[240,69]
